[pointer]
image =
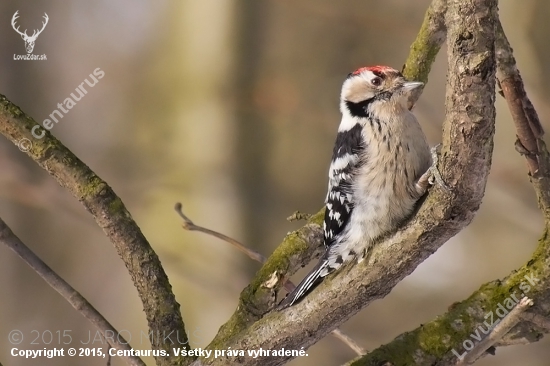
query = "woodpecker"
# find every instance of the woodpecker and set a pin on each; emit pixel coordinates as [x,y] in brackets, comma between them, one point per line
[381,166]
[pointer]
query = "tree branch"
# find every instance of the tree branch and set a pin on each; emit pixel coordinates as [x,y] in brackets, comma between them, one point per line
[448,331]
[528,126]
[499,331]
[524,115]
[8,238]
[434,342]
[160,306]
[190,225]
[350,342]
[426,46]
[296,250]
[289,286]
[466,156]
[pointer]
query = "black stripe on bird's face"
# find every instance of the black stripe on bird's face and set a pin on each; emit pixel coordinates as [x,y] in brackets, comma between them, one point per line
[361,109]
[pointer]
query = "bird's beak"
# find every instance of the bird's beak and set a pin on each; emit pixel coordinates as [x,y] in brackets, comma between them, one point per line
[411,85]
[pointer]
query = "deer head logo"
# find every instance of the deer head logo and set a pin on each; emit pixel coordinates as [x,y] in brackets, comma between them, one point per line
[29,40]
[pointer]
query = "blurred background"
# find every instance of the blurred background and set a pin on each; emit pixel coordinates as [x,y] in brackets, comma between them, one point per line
[230,107]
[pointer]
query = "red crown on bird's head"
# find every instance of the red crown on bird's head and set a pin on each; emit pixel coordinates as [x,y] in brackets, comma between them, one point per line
[374,69]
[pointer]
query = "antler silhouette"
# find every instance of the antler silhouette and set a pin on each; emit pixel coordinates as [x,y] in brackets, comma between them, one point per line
[43,26]
[29,40]
[13,19]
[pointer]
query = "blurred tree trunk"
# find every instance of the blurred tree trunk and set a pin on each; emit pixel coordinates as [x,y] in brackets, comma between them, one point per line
[253,141]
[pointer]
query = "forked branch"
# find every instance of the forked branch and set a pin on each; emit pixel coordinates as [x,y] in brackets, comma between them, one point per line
[159,303]
[288,285]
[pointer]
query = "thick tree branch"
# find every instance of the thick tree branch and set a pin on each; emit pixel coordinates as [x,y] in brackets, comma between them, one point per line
[466,156]
[433,343]
[296,250]
[111,335]
[188,224]
[299,247]
[160,306]
[451,330]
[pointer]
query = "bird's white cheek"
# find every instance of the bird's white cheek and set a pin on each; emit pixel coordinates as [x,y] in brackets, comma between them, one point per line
[357,92]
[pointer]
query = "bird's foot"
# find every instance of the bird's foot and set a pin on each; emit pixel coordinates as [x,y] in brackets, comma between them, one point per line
[432,175]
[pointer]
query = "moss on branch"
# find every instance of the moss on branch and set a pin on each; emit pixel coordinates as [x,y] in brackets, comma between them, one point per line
[434,341]
[160,306]
[426,46]
[296,250]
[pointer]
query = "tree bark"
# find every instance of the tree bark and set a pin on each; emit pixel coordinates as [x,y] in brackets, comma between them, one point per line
[466,160]
[160,306]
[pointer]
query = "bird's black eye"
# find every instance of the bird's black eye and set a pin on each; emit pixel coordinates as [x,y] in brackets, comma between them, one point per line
[376,81]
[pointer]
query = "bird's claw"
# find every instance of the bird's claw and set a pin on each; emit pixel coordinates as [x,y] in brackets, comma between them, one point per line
[431,176]
[435,175]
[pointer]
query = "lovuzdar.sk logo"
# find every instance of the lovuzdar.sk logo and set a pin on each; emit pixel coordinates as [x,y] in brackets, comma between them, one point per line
[29,40]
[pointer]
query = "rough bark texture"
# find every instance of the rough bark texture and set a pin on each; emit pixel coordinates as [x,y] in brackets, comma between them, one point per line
[528,126]
[296,250]
[467,149]
[432,343]
[473,30]
[162,310]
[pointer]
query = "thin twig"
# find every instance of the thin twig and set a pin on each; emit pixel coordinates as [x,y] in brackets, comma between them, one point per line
[8,238]
[108,354]
[189,225]
[499,331]
[289,286]
[337,333]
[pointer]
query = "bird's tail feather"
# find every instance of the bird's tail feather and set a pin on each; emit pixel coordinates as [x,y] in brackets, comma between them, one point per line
[308,283]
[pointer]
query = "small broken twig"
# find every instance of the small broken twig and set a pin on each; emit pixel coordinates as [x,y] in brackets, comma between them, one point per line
[288,285]
[499,331]
[337,333]
[297,216]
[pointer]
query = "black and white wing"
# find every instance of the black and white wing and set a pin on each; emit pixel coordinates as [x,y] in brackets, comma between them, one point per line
[339,202]
[339,206]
